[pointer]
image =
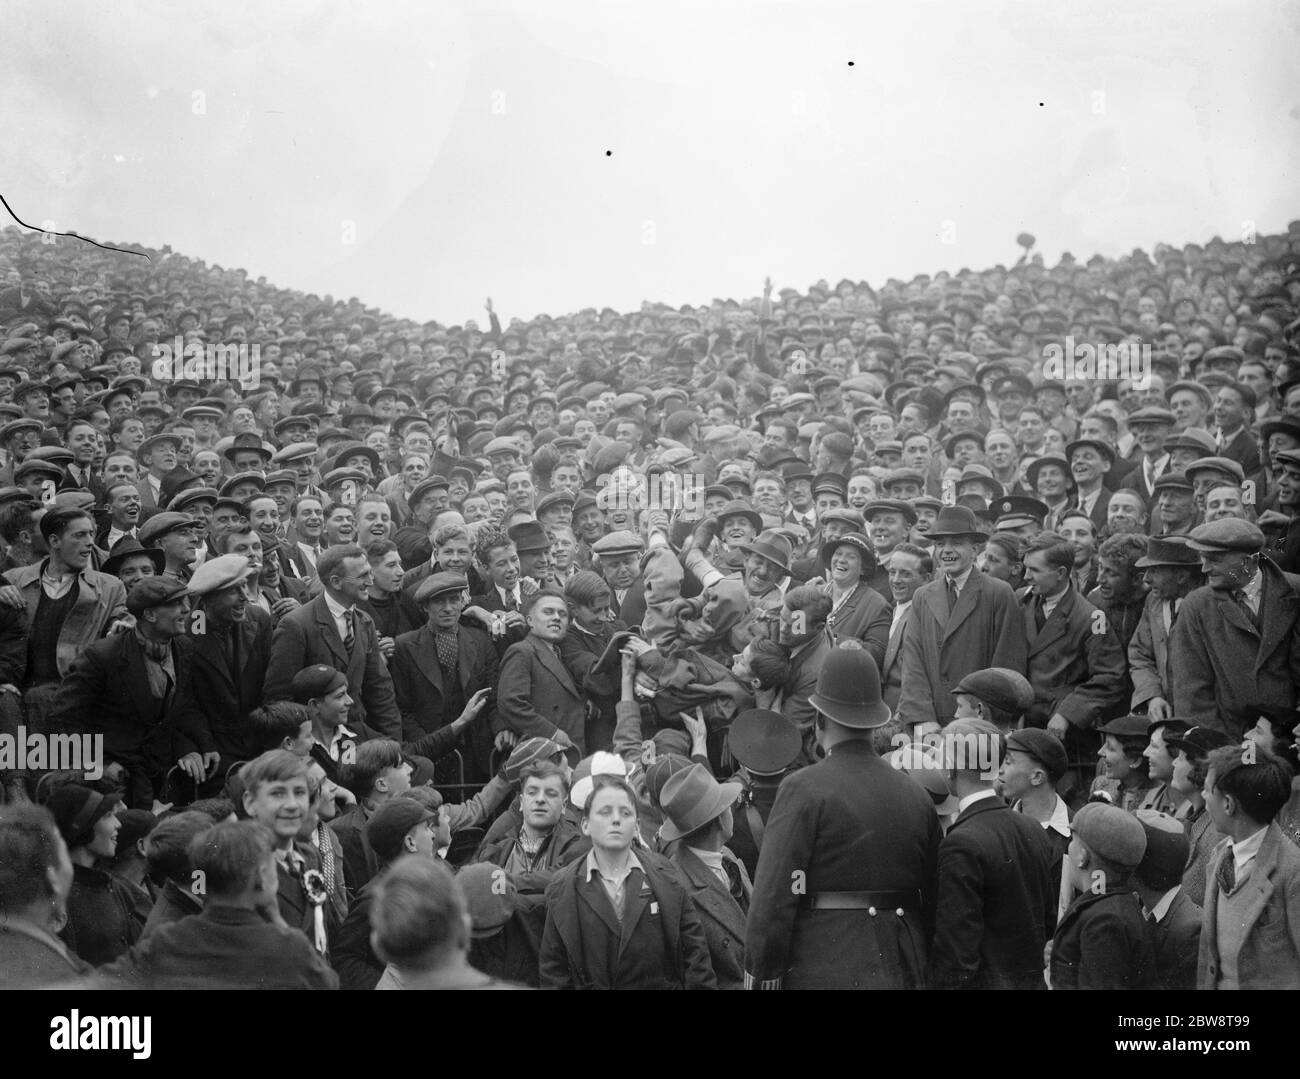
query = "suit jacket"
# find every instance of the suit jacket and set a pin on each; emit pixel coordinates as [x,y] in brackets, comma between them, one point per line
[997,899]
[1245,451]
[1224,668]
[308,636]
[1177,940]
[226,697]
[801,682]
[1099,508]
[986,629]
[865,616]
[490,600]
[632,610]
[848,823]
[536,695]
[1074,669]
[1269,957]
[891,668]
[422,696]
[659,945]
[1148,655]
[107,692]
[1136,481]
[721,916]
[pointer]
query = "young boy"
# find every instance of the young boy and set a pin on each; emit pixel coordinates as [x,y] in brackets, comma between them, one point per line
[1102,941]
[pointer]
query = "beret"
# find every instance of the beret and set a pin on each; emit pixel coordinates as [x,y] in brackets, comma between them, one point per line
[315,681]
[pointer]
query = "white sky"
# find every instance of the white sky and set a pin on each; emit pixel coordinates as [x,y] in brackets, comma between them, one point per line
[467,142]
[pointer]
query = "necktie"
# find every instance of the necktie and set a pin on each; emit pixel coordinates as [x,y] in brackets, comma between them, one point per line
[448,652]
[1040,614]
[1173,614]
[510,604]
[1240,597]
[349,638]
[953,595]
[1227,874]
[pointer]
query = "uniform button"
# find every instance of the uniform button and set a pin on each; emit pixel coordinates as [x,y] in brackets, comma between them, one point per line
[899,912]
[871,911]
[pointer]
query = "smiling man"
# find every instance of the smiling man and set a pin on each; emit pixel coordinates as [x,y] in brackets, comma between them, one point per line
[538,696]
[1236,645]
[963,622]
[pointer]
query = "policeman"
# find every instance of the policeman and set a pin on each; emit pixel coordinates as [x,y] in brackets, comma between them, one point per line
[844,895]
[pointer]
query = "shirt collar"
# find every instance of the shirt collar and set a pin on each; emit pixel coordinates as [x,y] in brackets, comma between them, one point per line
[1256,585]
[593,868]
[971,799]
[1166,901]
[336,609]
[1059,821]
[1243,853]
[962,578]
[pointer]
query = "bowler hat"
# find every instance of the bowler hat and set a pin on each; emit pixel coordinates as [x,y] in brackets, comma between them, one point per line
[956,521]
[128,546]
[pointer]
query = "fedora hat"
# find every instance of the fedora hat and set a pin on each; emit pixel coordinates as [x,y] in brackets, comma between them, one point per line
[772,545]
[848,689]
[127,546]
[691,799]
[956,521]
[1168,551]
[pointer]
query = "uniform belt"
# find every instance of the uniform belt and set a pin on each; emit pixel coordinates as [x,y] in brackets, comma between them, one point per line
[897,902]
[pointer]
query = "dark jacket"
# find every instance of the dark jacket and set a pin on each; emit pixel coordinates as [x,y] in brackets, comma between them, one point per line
[537,695]
[1103,942]
[1177,939]
[865,616]
[222,948]
[721,914]
[105,915]
[107,692]
[659,945]
[1076,667]
[849,823]
[422,697]
[308,636]
[173,904]
[224,697]
[997,901]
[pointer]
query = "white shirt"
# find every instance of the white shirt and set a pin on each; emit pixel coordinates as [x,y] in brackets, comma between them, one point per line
[614,886]
[971,799]
[900,612]
[115,534]
[713,860]
[1168,609]
[1244,853]
[1151,472]
[1166,901]
[960,581]
[1252,593]
[1052,602]
[338,612]
[309,553]
[155,485]
[507,596]
[1087,502]
[340,733]
[1059,821]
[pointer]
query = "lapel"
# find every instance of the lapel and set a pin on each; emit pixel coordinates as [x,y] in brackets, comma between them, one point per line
[1055,626]
[290,893]
[426,658]
[1230,611]
[637,898]
[206,651]
[546,655]
[147,706]
[708,895]
[592,892]
[329,633]
[895,641]
[1260,882]
[967,601]
[1278,607]
[984,805]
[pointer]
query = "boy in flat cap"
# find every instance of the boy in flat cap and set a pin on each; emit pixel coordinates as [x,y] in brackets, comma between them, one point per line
[1236,644]
[1034,764]
[1102,941]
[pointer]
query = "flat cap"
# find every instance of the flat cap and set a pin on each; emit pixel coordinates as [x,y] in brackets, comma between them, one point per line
[1151,414]
[1225,465]
[998,687]
[161,523]
[1167,848]
[502,445]
[529,751]
[1111,833]
[1227,534]
[890,505]
[1042,746]
[218,573]
[390,823]
[295,451]
[620,542]
[153,592]
[438,583]
[490,897]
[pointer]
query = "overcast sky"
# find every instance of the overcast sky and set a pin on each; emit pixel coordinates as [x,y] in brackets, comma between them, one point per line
[562,155]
